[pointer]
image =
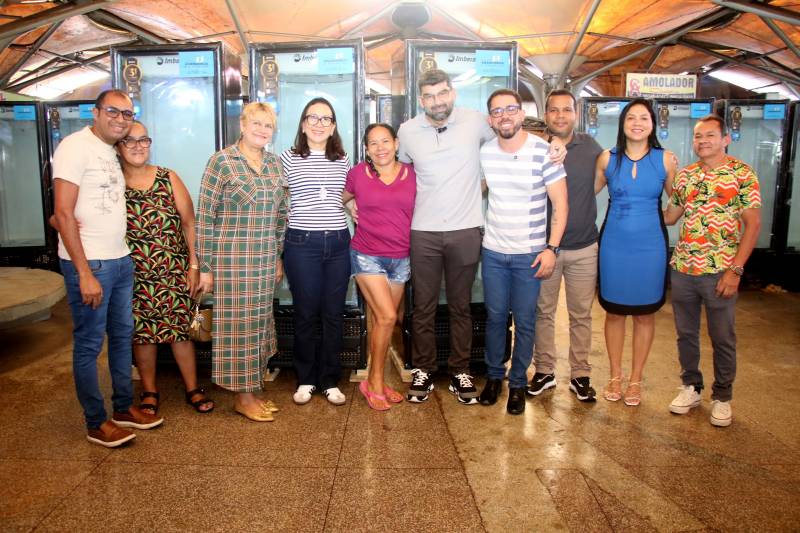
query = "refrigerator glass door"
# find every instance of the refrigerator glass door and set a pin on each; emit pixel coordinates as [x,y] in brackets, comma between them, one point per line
[179,108]
[793,240]
[758,142]
[604,131]
[21,211]
[66,119]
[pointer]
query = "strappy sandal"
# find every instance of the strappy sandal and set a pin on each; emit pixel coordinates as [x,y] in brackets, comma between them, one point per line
[373,400]
[150,408]
[613,395]
[197,403]
[392,395]
[633,398]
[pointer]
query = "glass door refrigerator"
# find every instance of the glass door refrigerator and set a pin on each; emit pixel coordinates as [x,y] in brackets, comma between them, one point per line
[287,76]
[600,119]
[676,118]
[179,93]
[476,70]
[23,238]
[759,137]
[793,190]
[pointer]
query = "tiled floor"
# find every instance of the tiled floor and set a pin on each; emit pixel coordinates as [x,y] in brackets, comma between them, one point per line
[439,466]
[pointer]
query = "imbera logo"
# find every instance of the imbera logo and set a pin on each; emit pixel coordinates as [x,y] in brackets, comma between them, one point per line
[171,60]
[456,58]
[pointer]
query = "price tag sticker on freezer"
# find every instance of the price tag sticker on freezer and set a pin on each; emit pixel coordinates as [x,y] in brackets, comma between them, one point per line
[492,62]
[196,64]
[774,111]
[24,112]
[699,109]
[85,111]
[335,61]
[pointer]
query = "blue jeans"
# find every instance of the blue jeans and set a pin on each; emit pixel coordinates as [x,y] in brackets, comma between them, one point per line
[317,265]
[509,284]
[114,316]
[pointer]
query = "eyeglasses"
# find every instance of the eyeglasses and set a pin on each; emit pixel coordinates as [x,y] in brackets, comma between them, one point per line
[313,120]
[509,110]
[113,112]
[441,95]
[143,142]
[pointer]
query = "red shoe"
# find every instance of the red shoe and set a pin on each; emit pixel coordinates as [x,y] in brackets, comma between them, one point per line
[110,435]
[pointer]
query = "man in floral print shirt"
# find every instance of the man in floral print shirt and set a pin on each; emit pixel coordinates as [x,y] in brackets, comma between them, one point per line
[720,201]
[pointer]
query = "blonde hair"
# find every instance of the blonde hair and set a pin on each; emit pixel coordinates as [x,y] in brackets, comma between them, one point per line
[254,108]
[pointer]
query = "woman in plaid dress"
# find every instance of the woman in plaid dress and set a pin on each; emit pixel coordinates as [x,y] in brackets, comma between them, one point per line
[241,221]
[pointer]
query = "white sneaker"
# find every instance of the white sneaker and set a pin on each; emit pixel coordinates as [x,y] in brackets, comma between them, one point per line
[334,395]
[303,394]
[721,413]
[685,400]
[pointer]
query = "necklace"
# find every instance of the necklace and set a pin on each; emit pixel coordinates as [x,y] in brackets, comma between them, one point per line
[254,162]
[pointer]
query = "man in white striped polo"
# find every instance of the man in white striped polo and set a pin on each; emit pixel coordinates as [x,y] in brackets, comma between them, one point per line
[516,253]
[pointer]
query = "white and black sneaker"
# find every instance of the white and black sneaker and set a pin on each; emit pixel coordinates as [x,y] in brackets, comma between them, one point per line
[461,385]
[540,383]
[582,388]
[421,386]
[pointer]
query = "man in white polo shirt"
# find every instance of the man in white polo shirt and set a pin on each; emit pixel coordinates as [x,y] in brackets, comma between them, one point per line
[516,253]
[90,215]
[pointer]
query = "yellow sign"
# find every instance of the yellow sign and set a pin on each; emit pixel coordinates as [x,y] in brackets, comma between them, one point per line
[646,85]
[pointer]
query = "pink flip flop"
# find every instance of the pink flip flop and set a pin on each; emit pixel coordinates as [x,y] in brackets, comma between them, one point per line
[371,397]
[392,395]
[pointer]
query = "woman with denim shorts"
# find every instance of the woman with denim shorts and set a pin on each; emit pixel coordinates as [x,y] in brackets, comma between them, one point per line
[384,190]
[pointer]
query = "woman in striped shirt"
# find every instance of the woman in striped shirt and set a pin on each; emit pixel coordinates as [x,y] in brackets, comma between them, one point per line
[316,254]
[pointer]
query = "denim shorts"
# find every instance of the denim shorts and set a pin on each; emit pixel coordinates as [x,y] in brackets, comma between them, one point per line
[395,270]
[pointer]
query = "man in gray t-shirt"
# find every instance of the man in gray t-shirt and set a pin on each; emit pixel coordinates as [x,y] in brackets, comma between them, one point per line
[444,143]
[577,262]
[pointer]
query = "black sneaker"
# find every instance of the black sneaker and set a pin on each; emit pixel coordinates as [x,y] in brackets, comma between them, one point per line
[461,385]
[582,388]
[421,386]
[540,383]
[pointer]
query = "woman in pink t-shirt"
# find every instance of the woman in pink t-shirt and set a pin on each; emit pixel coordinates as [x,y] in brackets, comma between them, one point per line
[384,190]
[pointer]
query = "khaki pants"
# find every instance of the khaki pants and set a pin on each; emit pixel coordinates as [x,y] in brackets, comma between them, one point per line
[579,270]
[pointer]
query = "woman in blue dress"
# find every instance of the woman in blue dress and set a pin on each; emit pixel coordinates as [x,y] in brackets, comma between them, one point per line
[633,242]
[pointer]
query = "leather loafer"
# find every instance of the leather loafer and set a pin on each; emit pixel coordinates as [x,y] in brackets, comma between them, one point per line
[516,401]
[491,391]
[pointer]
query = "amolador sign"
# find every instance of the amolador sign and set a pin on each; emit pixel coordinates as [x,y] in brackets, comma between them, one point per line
[660,85]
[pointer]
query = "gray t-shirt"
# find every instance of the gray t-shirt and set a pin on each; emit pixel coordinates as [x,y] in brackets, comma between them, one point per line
[448,169]
[581,230]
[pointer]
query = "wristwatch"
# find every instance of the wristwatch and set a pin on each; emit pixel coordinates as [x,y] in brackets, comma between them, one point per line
[736,269]
[556,249]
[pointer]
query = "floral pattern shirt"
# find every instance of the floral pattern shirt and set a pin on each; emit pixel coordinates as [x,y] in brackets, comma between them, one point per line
[713,201]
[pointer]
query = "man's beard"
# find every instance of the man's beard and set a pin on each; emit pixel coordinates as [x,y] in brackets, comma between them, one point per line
[440,115]
[508,134]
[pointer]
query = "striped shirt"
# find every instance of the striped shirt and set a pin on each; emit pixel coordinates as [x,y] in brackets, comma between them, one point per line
[315,190]
[516,221]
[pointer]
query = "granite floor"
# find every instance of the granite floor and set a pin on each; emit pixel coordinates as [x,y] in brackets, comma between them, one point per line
[439,466]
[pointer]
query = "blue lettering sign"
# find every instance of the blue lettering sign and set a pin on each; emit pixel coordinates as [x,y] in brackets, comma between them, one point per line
[335,61]
[699,109]
[24,112]
[199,64]
[493,62]
[774,111]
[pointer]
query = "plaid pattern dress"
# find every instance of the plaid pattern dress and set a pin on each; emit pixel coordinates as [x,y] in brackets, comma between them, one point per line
[241,221]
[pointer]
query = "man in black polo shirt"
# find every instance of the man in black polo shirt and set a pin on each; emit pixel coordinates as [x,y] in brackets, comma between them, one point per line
[577,261]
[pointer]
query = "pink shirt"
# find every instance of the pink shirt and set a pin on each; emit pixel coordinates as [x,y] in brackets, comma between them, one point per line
[384,211]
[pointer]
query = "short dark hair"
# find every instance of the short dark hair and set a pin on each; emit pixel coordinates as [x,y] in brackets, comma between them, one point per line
[433,77]
[723,128]
[98,103]
[560,92]
[503,92]
[333,147]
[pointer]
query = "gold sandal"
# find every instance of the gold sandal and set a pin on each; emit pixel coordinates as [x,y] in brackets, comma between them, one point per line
[610,394]
[633,398]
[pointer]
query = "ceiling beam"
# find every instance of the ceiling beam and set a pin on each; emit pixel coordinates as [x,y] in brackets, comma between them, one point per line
[460,25]
[577,43]
[369,20]
[653,58]
[110,18]
[238,24]
[52,63]
[204,37]
[733,61]
[32,49]
[19,86]
[781,35]
[532,36]
[672,36]
[48,16]
[73,58]
[762,10]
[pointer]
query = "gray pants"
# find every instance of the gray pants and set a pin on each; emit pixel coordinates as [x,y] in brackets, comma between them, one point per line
[689,294]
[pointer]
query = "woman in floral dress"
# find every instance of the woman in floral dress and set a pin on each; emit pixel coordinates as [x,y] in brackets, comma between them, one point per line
[160,235]
[241,221]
